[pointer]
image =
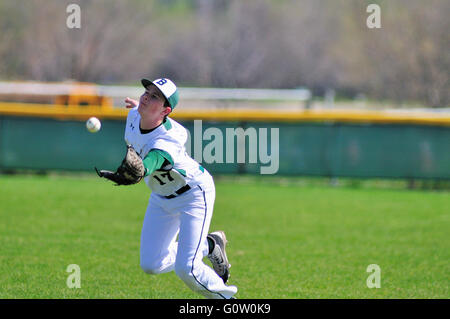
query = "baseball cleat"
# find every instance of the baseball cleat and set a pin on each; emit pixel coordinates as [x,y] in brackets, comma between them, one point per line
[218,256]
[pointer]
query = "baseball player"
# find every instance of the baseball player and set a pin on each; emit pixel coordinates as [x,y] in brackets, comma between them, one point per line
[182,198]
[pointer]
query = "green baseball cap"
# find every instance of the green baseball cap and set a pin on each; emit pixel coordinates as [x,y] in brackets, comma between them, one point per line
[166,87]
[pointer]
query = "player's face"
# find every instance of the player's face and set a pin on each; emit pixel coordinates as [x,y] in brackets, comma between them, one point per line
[151,103]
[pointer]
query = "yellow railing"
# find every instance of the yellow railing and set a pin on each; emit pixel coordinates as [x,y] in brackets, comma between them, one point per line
[353,116]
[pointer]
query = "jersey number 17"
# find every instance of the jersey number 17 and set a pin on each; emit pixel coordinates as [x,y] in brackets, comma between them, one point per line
[163,175]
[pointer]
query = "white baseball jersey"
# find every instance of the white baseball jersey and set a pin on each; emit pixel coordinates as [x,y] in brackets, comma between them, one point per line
[170,137]
[186,217]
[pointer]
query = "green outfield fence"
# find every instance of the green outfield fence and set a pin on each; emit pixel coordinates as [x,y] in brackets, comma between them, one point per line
[314,148]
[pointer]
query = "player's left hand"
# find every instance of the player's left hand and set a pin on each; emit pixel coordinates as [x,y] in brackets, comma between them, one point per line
[131,170]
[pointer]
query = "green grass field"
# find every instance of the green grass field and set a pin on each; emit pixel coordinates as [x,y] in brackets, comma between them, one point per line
[285,240]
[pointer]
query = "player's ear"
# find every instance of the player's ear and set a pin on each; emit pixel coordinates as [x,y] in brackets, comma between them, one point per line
[167,110]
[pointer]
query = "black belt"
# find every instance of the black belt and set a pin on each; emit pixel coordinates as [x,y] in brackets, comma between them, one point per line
[180,191]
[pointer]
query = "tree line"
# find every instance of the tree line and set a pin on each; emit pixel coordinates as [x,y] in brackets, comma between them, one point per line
[233,43]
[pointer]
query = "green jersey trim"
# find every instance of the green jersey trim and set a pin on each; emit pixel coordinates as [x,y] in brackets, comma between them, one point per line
[152,162]
[155,160]
[163,154]
[167,125]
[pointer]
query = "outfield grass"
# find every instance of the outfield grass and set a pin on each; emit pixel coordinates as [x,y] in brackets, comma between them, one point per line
[286,240]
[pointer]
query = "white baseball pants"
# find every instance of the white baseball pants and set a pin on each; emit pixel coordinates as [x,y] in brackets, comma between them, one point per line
[188,216]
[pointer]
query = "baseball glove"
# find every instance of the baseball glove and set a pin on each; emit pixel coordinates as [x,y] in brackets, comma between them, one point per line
[130,172]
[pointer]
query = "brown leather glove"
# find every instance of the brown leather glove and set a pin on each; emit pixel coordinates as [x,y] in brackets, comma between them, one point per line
[131,170]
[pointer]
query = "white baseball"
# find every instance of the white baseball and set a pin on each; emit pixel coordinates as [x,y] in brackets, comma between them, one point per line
[93,125]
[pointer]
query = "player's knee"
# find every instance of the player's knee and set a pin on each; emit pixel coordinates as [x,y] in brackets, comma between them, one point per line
[150,268]
[183,270]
